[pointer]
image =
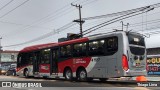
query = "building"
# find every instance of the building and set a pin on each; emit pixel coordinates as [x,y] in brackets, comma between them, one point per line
[153,51]
[153,61]
[8,57]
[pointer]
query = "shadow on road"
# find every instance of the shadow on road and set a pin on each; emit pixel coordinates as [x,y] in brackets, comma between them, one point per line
[92,83]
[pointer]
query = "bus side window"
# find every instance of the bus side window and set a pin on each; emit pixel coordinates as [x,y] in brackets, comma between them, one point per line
[65,51]
[84,49]
[112,45]
[30,58]
[69,54]
[76,50]
[96,47]
[45,57]
[54,55]
[79,49]
[93,46]
[101,47]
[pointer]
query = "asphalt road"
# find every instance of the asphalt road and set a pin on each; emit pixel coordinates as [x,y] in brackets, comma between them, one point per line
[21,83]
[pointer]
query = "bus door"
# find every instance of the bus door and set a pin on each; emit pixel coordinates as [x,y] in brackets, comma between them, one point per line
[36,62]
[54,61]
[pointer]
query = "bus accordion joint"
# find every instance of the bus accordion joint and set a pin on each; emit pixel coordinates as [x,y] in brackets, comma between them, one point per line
[125,62]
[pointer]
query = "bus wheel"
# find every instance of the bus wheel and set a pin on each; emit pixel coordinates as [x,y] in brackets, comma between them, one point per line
[82,75]
[102,79]
[26,73]
[68,74]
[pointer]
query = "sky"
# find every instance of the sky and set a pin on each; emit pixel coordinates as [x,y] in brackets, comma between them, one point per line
[22,21]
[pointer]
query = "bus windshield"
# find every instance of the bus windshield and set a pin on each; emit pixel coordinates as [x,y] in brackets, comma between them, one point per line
[137,50]
[136,39]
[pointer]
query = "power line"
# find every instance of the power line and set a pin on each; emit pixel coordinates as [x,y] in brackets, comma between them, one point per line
[61,12]
[18,24]
[114,14]
[96,22]
[6,4]
[40,20]
[139,24]
[65,12]
[45,35]
[49,16]
[113,20]
[155,5]
[122,12]
[94,29]
[14,9]
[107,23]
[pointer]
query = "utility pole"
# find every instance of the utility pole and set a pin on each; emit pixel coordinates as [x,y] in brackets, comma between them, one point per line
[80,21]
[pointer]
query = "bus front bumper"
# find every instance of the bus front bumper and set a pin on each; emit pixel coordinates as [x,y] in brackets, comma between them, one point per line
[136,73]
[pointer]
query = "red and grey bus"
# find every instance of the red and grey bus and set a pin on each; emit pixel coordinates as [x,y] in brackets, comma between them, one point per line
[100,56]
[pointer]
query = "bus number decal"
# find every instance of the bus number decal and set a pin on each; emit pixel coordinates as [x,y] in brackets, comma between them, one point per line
[96,59]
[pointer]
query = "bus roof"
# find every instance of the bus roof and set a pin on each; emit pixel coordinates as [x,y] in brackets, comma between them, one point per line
[36,47]
[84,39]
[42,46]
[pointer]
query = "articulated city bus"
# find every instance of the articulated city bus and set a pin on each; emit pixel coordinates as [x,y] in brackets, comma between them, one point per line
[100,56]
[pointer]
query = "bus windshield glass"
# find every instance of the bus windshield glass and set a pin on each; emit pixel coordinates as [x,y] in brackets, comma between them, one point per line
[136,39]
[137,44]
[137,50]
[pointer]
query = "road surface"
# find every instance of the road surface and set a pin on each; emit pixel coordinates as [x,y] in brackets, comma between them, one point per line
[61,84]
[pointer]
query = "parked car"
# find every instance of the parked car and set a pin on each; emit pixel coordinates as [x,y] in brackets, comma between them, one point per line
[3,70]
[11,71]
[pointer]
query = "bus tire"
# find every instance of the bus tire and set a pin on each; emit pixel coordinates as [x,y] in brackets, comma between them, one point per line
[26,73]
[102,79]
[68,74]
[82,75]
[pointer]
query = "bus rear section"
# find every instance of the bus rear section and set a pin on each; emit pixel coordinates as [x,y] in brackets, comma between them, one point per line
[134,57]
